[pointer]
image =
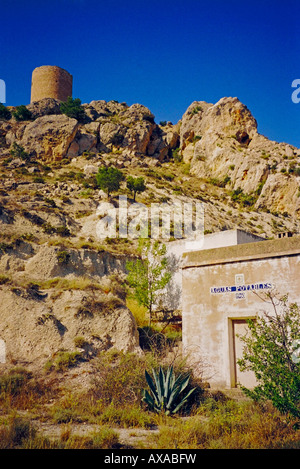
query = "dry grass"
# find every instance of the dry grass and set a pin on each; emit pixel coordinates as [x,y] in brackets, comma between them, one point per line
[20,433]
[79,283]
[113,400]
[140,313]
[230,425]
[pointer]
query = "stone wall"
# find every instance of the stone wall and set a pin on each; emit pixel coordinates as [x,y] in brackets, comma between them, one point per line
[51,82]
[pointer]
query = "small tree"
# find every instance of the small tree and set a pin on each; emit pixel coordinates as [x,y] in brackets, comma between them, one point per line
[136,185]
[109,179]
[148,276]
[272,352]
[73,108]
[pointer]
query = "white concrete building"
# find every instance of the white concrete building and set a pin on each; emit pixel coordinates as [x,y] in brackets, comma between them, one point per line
[222,287]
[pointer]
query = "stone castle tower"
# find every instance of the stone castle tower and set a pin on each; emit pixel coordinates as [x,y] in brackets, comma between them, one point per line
[50,82]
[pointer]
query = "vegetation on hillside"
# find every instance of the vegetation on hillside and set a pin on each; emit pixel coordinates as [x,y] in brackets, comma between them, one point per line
[73,109]
[47,202]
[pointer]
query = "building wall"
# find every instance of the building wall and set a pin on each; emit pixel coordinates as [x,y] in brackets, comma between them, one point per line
[51,82]
[228,238]
[176,249]
[214,300]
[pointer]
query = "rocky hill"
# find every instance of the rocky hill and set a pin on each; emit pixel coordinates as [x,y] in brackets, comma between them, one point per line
[58,279]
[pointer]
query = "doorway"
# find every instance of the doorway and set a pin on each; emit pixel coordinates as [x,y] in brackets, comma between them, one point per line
[238,328]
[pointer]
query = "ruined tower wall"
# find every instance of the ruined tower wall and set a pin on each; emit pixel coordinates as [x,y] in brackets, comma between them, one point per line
[50,82]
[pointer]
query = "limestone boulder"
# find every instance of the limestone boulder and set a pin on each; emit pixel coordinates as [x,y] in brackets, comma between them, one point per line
[44,107]
[171,135]
[138,138]
[112,135]
[49,137]
[83,142]
[191,122]
[124,128]
[13,132]
[281,192]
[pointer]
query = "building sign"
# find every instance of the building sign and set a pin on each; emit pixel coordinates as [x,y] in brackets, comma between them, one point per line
[240,288]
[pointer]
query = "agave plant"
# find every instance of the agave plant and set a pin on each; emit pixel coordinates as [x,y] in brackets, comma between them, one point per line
[166,391]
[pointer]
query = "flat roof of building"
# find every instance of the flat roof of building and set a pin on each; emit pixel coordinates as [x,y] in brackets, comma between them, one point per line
[242,252]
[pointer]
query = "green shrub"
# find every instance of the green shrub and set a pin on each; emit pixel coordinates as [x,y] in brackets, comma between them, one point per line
[246,200]
[105,438]
[13,382]
[4,279]
[217,182]
[128,416]
[65,360]
[271,351]
[196,138]
[60,230]
[195,110]
[4,112]
[39,180]
[80,341]
[63,231]
[229,425]
[73,109]
[48,228]
[63,257]
[62,415]
[118,378]
[21,113]
[16,433]
[5,247]
[260,187]
[176,155]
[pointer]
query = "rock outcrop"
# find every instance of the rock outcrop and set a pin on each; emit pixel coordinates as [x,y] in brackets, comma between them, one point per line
[44,107]
[46,263]
[49,137]
[219,141]
[222,145]
[107,127]
[81,295]
[37,325]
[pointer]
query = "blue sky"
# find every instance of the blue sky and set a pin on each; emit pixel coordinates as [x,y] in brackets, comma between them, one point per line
[164,54]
